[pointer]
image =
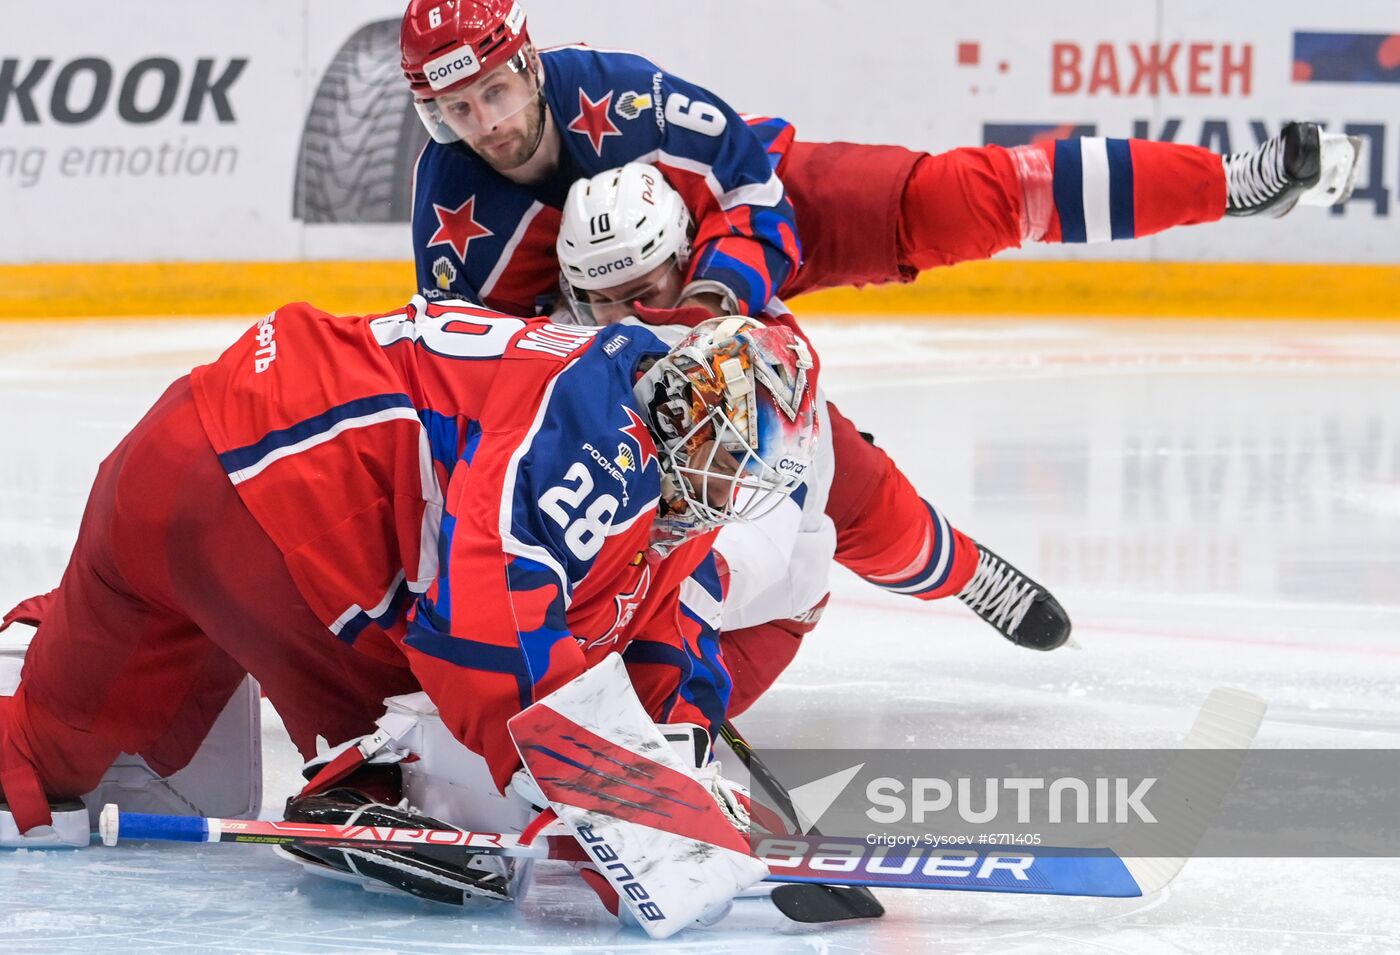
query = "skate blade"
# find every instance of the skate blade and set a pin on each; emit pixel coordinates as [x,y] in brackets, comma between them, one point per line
[1340,157]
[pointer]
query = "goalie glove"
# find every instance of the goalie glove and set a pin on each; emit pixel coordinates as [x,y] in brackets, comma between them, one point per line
[439,873]
[692,743]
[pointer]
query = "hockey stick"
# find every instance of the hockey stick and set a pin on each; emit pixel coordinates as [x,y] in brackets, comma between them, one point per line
[1191,796]
[1229,720]
[811,902]
[797,859]
[115,825]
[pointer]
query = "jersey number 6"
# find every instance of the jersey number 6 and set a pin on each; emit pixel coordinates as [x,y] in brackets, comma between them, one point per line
[587,532]
[695,115]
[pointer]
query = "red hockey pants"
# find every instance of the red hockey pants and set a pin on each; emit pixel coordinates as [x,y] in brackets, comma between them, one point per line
[173,593]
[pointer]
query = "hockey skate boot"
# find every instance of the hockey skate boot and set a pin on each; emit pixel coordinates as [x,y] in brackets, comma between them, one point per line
[1301,165]
[437,873]
[70,828]
[1020,609]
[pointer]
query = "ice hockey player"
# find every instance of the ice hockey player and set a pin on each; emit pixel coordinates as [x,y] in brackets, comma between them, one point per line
[513,127]
[777,569]
[442,499]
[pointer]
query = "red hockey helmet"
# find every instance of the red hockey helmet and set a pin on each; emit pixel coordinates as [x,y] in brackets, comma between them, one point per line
[446,44]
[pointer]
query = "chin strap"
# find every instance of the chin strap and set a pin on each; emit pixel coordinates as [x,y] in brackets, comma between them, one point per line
[539,97]
[544,118]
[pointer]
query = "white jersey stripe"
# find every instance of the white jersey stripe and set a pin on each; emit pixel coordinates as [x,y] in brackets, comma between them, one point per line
[768,193]
[1098,217]
[354,610]
[700,602]
[330,434]
[432,518]
[508,252]
[943,542]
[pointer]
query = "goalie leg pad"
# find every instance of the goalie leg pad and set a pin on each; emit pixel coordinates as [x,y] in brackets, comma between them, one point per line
[224,778]
[653,830]
[68,828]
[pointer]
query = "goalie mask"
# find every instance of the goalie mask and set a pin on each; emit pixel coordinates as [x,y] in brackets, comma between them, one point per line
[624,237]
[733,411]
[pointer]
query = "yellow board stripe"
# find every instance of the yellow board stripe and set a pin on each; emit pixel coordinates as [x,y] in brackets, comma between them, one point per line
[181,289]
[1080,289]
[1132,289]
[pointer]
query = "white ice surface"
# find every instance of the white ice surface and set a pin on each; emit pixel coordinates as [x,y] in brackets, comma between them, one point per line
[1215,503]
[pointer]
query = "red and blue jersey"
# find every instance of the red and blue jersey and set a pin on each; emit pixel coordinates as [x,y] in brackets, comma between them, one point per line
[477,235]
[473,494]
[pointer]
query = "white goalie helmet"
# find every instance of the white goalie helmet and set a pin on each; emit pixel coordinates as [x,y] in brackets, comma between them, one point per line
[733,411]
[618,227]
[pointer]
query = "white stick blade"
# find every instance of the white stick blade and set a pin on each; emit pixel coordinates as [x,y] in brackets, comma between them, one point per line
[1194,789]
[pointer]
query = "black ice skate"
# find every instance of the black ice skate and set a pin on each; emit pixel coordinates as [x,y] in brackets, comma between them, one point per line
[1302,164]
[1020,609]
[438,873]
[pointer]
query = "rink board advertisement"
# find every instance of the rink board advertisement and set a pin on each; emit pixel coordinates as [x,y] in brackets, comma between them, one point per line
[278,131]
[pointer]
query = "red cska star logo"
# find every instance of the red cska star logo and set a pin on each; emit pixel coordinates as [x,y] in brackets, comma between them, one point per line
[627,605]
[638,432]
[457,227]
[593,120]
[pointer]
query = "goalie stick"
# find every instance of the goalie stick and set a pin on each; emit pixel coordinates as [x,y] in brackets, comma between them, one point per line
[1229,720]
[802,902]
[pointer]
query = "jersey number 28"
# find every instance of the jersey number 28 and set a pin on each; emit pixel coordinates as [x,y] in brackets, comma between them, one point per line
[584,533]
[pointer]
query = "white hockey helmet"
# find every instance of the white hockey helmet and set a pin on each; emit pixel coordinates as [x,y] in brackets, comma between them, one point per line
[617,227]
[733,411]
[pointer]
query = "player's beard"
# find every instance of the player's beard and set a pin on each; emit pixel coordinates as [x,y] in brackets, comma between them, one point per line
[515,148]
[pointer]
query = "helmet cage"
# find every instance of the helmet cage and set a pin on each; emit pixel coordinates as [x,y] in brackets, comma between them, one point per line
[730,455]
[721,476]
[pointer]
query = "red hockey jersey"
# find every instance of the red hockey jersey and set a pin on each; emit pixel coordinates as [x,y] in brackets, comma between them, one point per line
[473,493]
